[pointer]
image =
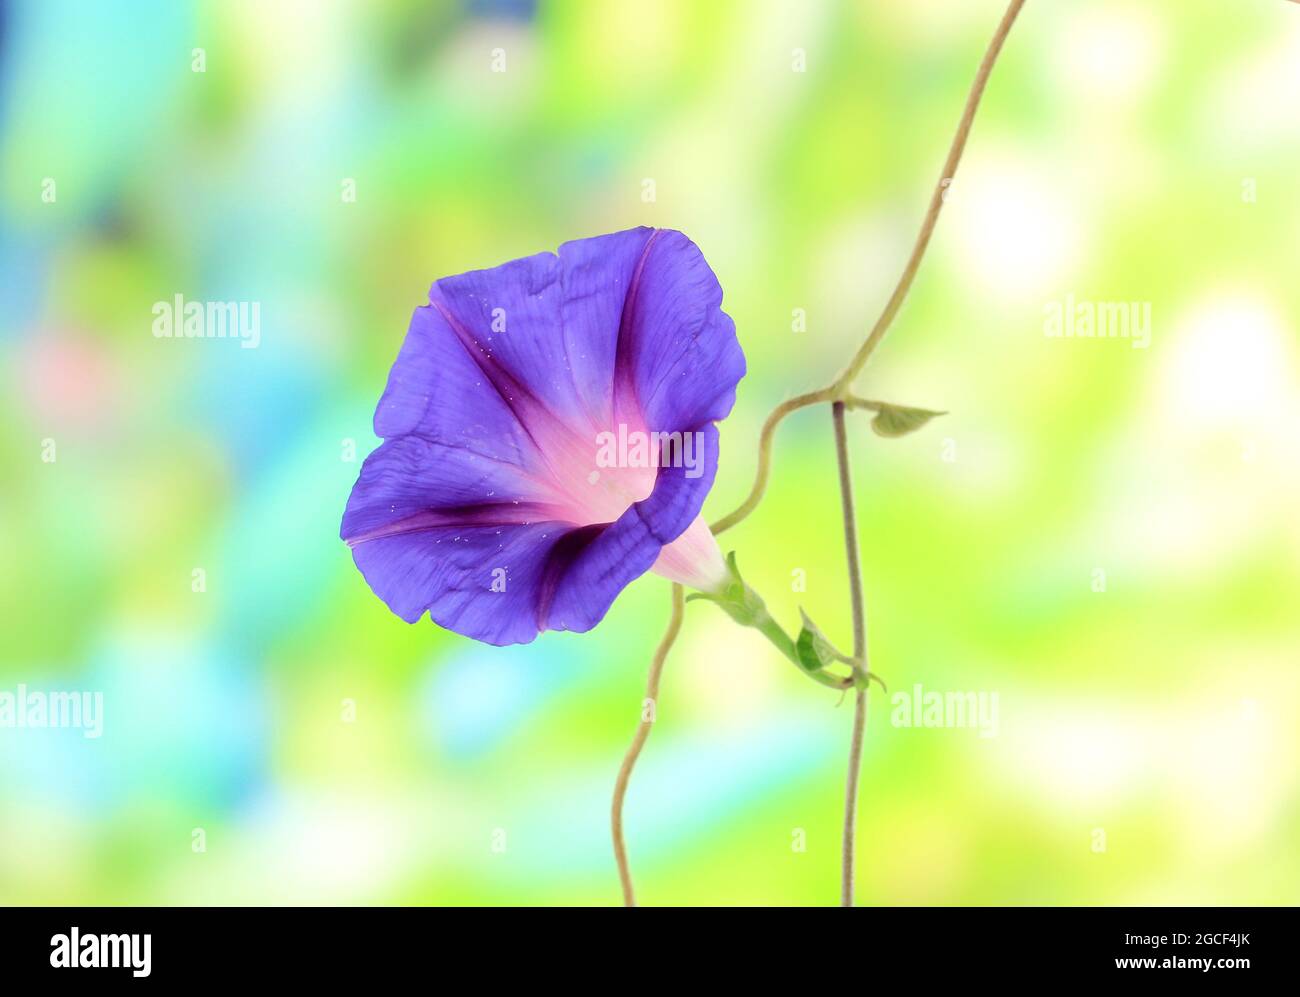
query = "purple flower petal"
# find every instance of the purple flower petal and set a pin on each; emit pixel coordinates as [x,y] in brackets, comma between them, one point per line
[508,386]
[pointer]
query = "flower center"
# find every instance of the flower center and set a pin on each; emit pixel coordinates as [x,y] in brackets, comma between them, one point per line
[600,474]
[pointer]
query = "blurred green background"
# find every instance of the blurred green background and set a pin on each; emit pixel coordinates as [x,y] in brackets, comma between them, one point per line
[1105,537]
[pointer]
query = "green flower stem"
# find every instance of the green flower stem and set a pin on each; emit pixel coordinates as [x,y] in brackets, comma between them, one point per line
[764,468]
[746,607]
[860,667]
[844,382]
[638,742]
[839,390]
[774,632]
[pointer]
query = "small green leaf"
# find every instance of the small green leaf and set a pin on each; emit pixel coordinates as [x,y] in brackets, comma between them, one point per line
[899,420]
[814,651]
[806,650]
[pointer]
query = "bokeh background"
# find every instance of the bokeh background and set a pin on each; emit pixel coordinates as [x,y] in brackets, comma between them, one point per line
[1106,537]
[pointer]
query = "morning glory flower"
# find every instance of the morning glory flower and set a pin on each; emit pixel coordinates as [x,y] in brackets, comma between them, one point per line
[549,436]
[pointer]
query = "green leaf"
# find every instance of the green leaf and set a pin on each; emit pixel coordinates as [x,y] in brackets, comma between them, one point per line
[899,420]
[746,607]
[812,648]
